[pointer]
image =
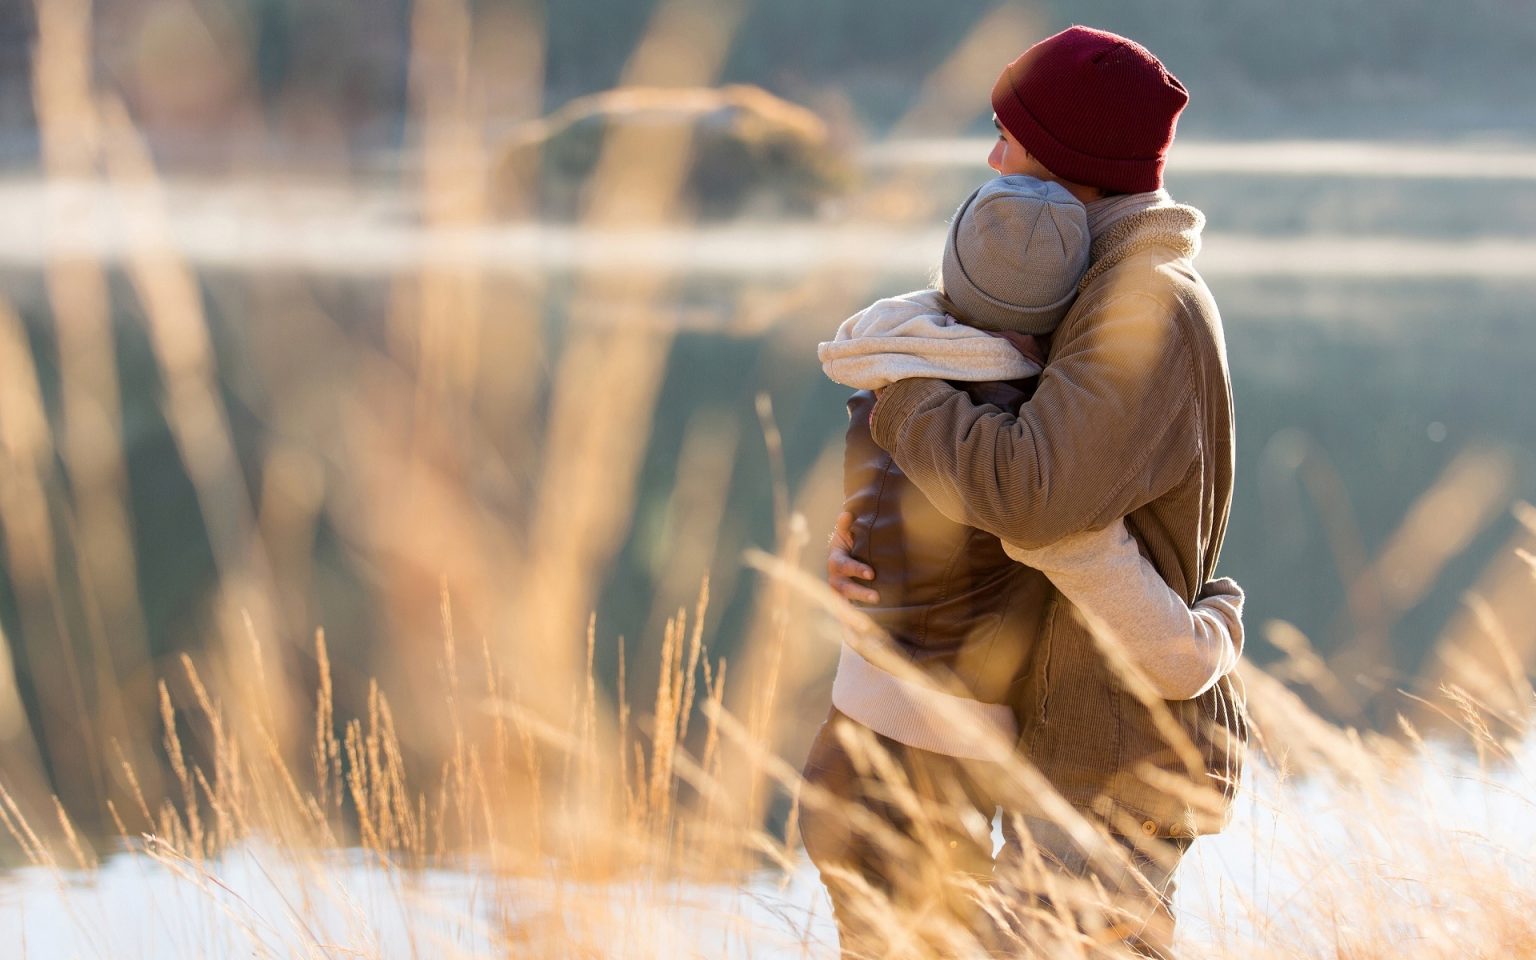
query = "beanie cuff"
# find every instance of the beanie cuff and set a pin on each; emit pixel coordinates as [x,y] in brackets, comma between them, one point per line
[975,307]
[1117,175]
[979,307]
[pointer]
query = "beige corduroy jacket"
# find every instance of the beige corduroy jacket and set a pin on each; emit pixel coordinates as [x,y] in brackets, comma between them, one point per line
[1132,418]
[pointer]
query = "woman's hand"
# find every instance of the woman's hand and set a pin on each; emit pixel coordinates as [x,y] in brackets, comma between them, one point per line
[843,569]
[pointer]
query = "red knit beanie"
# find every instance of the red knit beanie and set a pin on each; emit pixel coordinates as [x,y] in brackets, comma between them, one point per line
[1094,107]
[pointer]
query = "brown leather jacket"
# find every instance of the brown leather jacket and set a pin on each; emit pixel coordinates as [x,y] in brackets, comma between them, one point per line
[950,598]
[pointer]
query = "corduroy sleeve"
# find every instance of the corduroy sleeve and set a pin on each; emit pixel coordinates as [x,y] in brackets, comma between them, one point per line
[1112,426]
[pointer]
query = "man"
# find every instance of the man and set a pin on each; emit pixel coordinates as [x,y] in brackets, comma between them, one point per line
[1132,418]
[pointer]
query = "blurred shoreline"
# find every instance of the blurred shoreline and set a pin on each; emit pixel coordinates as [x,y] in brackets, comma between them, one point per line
[1496,158]
[335,226]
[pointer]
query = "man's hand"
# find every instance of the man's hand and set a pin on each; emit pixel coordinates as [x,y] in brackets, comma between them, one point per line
[842,569]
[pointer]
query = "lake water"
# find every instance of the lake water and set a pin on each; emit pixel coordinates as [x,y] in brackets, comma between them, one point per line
[1379,302]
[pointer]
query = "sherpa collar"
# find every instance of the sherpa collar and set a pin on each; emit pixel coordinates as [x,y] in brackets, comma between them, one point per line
[1174,226]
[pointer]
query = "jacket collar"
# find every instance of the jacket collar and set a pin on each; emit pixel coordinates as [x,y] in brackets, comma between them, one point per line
[1174,226]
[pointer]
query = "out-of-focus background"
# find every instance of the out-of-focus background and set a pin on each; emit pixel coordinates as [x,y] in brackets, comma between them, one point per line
[372,317]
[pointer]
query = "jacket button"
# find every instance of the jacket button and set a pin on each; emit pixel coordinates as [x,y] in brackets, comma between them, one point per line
[1149,828]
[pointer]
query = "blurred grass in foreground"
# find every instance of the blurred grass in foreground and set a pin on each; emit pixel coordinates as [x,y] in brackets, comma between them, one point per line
[480,468]
[610,835]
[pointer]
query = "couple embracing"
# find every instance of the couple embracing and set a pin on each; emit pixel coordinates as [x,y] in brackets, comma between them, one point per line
[1038,474]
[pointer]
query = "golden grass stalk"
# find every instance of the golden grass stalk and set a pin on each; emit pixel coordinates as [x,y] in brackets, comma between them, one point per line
[482,520]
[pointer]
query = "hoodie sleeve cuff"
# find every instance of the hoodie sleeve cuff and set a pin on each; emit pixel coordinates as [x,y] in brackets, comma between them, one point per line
[897,403]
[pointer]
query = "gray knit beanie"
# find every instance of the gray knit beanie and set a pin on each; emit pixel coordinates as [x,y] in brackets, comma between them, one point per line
[1016,250]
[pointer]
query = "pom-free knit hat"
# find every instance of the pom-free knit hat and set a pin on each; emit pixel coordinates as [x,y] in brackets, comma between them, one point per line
[1016,249]
[1094,107]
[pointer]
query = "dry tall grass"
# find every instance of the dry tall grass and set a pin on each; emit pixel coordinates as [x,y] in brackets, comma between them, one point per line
[576,842]
[482,469]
